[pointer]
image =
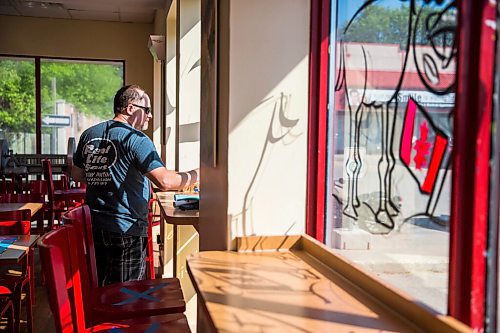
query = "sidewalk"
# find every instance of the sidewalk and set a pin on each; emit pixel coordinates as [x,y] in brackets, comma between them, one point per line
[413,259]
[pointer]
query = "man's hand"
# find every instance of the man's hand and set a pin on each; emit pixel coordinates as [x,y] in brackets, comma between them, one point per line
[194,181]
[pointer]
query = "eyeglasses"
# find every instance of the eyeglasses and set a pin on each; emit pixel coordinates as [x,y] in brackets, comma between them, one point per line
[146,109]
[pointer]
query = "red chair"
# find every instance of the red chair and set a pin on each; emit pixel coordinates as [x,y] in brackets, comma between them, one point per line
[7,311]
[99,300]
[20,182]
[24,198]
[15,222]
[6,186]
[38,186]
[153,219]
[62,199]
[61,253]
[13,280]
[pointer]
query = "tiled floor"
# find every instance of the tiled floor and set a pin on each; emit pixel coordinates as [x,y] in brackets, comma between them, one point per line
[42,316]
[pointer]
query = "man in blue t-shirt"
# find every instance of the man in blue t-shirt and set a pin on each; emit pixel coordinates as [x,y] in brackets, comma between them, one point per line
[117,161]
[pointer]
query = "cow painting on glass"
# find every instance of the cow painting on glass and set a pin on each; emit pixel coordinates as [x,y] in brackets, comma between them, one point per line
[394,100]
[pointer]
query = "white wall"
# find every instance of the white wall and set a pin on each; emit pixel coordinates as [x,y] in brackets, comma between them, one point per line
[189,84]
[171,88]
[159,28]
[268,116]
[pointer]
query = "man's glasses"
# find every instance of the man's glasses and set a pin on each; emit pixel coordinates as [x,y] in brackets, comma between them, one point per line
[146,109]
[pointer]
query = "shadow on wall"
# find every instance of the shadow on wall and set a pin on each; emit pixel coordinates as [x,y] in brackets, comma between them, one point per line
[279,129]
[265,50]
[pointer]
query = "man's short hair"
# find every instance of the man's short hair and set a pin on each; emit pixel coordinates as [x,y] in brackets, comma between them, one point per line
[126,95]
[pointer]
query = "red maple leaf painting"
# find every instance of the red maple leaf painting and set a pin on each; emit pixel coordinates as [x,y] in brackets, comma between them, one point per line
[422,147]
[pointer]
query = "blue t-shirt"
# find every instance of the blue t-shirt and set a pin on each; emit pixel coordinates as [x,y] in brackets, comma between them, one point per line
[115,156]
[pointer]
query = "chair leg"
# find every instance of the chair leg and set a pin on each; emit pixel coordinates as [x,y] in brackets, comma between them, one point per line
[16,299]
[8,314]
[29,307]
[51,217]
[31,264]
[11,320]
[39,224]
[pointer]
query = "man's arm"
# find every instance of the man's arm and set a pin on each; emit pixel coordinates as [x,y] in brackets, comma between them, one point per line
[167,180]
[78,174]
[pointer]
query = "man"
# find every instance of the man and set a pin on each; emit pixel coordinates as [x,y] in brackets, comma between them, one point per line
[117,161]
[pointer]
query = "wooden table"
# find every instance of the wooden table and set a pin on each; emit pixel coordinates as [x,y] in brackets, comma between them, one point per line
[34,207]
[295,284]
[18,249]
[175,217]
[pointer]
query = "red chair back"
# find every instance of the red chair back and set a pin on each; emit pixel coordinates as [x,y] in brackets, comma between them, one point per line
[56,206]
[47,175]
[59,253]
[41,186]
[15,222]
[21,197]
[6,186]
[80,219]
[28,197]
[61,184]
[38,186]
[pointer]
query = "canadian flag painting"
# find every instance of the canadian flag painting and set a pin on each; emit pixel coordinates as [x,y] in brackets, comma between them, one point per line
[423,146]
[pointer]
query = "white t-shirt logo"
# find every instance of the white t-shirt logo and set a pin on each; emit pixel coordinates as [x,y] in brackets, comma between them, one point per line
[99,155]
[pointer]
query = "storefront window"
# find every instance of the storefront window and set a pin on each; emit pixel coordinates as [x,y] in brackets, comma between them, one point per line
[389,158]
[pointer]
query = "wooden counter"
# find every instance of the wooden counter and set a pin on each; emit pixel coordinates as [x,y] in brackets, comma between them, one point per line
[176,217]
[295,284]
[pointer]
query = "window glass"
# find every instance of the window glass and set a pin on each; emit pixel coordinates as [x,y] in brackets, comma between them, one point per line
[75,95]
[17,104]
[393,98]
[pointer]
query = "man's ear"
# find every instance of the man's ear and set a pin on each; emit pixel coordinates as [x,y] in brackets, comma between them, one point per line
[129,110]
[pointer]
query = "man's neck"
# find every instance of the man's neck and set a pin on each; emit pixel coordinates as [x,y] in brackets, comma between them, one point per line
[121,118]
[125,119]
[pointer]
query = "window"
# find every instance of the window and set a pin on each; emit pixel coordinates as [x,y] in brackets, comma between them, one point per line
[392,99]
[75,94]
[17,104]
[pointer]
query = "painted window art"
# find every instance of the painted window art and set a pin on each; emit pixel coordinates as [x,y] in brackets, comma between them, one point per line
[394,102]
[391,140]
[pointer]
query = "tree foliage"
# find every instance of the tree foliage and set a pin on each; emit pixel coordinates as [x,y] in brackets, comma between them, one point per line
[17,96]
[90,87]
[389,25]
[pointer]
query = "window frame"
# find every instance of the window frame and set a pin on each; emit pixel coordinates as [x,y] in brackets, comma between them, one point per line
[468,241]
[38,101]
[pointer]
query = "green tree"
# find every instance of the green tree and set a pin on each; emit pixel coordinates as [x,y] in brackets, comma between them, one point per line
[389,25]
[17,96]
[89,87]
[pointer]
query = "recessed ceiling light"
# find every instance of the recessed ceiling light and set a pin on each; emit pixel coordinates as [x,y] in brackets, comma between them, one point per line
[41,5]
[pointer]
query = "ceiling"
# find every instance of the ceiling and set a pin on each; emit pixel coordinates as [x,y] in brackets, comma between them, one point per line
[137,11]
